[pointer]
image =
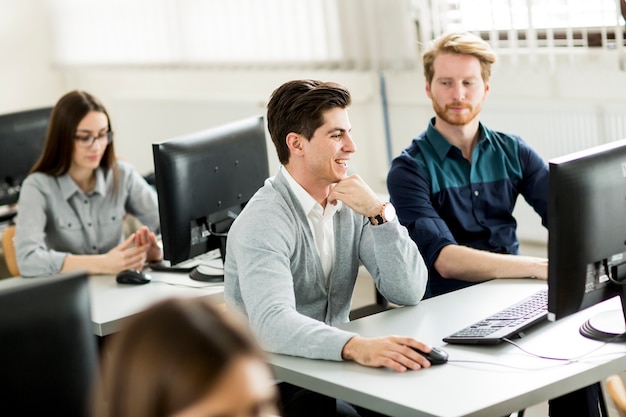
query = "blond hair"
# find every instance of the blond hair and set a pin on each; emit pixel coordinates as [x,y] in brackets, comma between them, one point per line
[462,43]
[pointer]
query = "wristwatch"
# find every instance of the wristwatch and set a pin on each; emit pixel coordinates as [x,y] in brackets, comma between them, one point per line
[387,214]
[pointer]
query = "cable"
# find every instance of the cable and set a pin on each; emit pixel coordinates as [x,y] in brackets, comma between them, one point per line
[569,360]
[503,365]
[184,285]
[563,361]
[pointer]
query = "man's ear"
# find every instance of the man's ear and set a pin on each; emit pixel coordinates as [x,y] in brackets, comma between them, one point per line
[295,143]
[427,89]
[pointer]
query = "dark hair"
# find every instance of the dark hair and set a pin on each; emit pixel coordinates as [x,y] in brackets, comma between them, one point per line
[56,157]
[169,357]
[298,106]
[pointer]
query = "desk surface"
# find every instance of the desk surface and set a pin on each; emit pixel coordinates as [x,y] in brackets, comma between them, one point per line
[478,380]
[113,303]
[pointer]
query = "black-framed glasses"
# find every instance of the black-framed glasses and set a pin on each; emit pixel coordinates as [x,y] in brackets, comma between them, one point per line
[87,141]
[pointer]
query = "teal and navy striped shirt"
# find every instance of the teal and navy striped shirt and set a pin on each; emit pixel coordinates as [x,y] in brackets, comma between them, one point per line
[444,199]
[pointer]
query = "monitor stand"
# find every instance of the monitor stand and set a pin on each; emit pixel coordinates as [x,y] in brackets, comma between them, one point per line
[205,273]
[211,271]
[608,326]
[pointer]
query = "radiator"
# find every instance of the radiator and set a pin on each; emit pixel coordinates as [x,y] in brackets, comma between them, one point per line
[554,129]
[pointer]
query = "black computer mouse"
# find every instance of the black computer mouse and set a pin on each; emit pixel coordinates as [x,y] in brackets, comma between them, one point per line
[132,276]
[436,356]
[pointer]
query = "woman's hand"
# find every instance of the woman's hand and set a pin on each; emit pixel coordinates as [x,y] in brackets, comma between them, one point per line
[127,255]
[133,253]
[145,238]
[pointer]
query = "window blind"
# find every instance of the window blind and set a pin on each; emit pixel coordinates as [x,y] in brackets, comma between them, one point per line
[328,34]
[549,28]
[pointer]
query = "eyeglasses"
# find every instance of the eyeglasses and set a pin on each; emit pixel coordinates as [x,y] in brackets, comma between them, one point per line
[87,141]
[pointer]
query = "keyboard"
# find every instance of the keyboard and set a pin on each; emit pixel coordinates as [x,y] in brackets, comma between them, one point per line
[506,323]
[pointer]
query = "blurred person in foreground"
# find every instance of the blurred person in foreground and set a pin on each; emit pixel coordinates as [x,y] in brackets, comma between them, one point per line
[184,358]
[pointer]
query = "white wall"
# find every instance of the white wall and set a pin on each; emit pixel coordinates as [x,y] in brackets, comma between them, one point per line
[27,79]
[147,106]
[150,105]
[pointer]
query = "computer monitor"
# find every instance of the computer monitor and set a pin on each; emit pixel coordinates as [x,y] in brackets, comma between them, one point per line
[587,237]
[203,181]
[48,352]
[22,135]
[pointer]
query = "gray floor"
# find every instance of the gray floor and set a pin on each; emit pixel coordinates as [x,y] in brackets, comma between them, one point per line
[364,295]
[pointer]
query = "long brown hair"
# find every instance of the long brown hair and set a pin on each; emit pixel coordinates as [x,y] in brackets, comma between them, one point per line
[56,157]
[169,357]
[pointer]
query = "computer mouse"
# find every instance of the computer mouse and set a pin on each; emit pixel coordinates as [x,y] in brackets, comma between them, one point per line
[436,356]
[132,276]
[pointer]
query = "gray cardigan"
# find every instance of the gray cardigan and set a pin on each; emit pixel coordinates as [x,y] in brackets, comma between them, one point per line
[273,273]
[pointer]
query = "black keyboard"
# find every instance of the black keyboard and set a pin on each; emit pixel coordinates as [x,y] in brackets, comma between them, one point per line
[505,323]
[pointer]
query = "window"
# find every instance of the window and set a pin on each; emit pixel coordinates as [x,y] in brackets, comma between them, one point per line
[328,34]
[527,23]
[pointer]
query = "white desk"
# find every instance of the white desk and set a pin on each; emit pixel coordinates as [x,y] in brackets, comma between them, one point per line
[113,303]
[463,388]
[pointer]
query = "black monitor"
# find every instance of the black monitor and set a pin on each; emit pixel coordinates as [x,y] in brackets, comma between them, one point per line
[203,181]
[587,237]
[22,136]
[48,352]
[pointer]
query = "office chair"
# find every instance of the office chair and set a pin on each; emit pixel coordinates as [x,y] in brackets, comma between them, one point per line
[9,251]
[615,387]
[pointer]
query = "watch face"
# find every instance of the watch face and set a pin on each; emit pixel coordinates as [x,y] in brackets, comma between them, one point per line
[389,212]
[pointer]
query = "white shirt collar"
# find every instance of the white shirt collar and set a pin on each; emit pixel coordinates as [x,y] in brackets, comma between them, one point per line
[307,202]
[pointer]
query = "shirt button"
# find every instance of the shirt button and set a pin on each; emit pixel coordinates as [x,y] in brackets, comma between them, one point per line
[69,225]
[94,248]
[89,224]
[86,201]
[476,193]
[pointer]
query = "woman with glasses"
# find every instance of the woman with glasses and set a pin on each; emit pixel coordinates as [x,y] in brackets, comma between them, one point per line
[72,204]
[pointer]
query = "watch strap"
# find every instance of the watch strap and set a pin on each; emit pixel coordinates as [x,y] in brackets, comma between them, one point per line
[379,218]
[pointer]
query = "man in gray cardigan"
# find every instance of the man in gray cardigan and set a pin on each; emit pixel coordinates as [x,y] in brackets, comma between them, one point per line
[293,253]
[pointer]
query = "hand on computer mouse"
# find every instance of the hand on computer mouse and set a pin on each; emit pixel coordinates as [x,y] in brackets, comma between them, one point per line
[393,352]
[436,356]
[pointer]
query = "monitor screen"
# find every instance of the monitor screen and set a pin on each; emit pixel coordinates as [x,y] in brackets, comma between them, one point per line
[48,353]
[587,235]
[22,136]
[203,181]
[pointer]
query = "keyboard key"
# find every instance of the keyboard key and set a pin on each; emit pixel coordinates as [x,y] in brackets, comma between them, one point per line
[505,323]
